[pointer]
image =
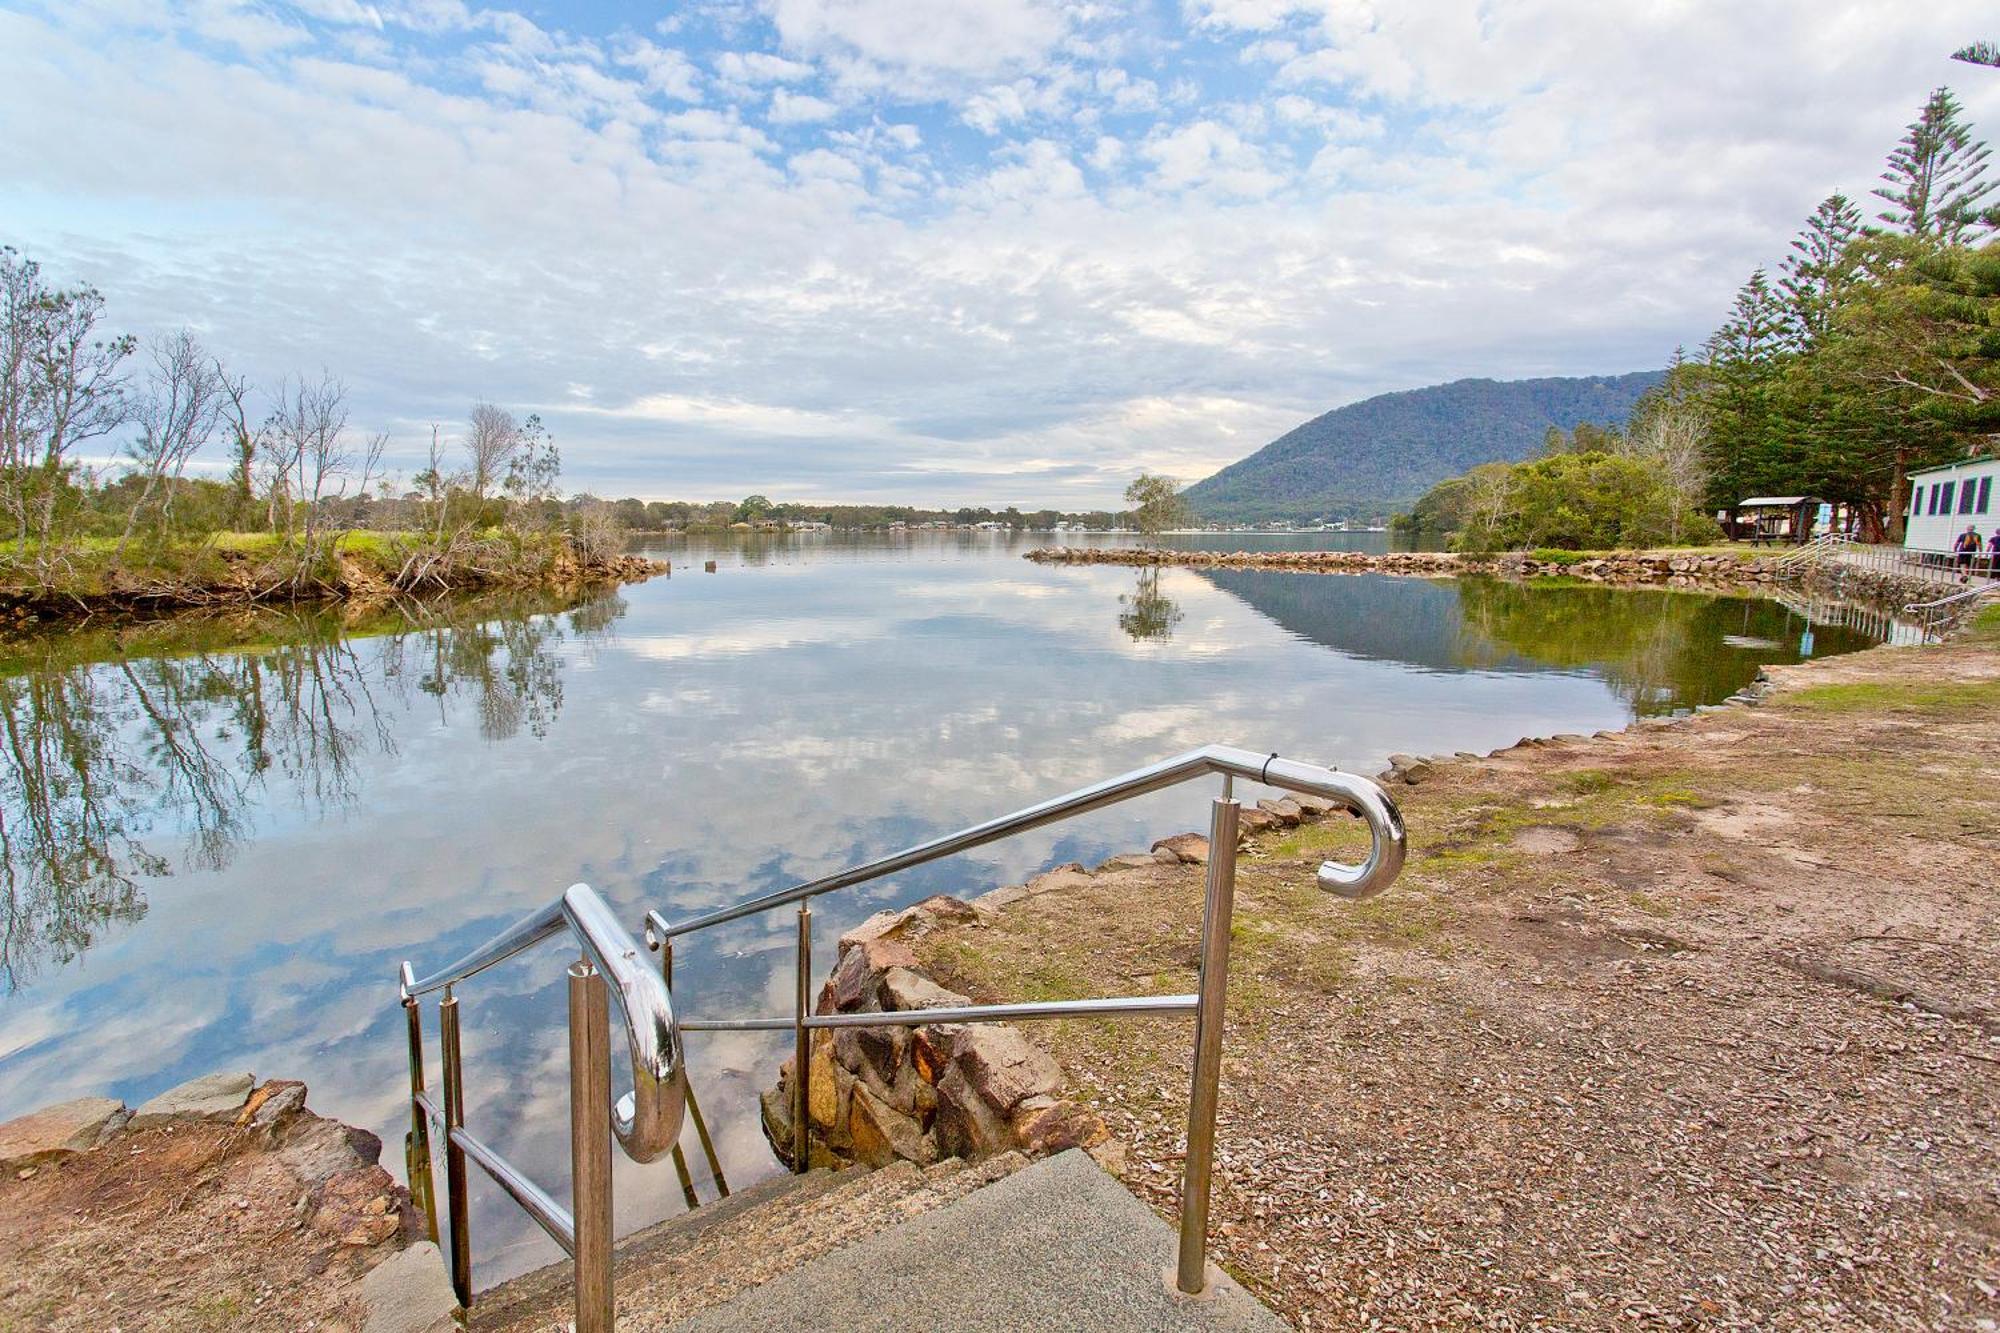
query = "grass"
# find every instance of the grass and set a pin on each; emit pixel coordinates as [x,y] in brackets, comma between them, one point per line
[1895,696]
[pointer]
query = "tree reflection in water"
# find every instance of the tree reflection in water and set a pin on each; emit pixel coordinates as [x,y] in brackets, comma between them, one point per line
[1149,614]
[178,732]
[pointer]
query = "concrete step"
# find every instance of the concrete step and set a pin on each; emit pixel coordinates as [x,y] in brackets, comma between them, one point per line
[1056,1245]
[689,1263]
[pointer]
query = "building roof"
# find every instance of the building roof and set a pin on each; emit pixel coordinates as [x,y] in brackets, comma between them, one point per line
[1946,467]
[1772,501]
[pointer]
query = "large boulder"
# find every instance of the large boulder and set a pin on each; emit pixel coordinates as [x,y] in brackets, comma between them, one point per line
[211,1097]
[56,1131]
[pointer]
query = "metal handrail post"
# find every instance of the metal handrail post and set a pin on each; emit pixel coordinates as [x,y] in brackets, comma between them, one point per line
[590,1144]
[1191,1273]
[417,1144]
[454,1156]
[802,1047]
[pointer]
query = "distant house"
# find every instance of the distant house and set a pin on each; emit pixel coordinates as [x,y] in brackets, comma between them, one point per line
[1771,518]
[1945,501]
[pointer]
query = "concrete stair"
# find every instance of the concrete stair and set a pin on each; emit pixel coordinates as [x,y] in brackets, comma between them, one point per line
[1004,1245]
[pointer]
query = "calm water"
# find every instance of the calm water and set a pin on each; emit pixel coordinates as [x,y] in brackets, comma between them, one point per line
[220,844]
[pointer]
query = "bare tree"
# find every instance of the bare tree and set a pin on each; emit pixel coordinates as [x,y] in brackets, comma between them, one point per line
[308,451]
[178,415]
[243,459]
[490,445]
[1671,432]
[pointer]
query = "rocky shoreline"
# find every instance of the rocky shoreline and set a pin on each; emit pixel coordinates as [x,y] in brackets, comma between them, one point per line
[1722,572]
[223,1202]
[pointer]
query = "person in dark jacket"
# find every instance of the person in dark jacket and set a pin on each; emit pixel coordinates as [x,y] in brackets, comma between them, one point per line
[1993,554]
[1966,548]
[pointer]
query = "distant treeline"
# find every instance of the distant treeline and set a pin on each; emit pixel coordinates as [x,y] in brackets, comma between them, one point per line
[675,515]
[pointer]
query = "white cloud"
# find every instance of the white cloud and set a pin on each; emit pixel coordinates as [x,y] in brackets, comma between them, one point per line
[1036,241]
[788,108]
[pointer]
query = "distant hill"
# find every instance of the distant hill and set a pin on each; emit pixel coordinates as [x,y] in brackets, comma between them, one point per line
[1372,456]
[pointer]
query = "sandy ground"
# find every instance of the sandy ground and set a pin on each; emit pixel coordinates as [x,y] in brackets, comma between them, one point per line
[1693,1026]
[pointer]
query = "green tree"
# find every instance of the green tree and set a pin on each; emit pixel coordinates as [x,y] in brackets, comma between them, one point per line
[1819,269]
[1979,53]
[752,508]
[1742,363]
[1156,502]
[1933,183]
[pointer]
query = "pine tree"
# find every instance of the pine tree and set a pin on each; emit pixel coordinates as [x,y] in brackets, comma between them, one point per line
[1744,357]
[1932,184]
[1979,53]
[1818,269]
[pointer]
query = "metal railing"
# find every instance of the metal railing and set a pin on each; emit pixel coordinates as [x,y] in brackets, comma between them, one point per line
[590,1068]
[1842,551]
[1936,612]
[647,1120]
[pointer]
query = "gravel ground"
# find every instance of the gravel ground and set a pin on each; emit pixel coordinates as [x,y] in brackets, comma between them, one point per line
[1694,1026]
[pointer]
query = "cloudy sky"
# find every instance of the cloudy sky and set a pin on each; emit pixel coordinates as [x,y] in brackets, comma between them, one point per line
[964,251]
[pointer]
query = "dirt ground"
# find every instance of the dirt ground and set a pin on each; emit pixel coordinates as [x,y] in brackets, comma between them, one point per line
[1690,1026]
[197,1225]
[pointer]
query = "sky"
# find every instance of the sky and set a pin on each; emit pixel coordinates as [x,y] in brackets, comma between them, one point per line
[937,251]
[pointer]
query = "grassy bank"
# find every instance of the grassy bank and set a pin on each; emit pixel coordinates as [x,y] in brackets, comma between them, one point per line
[1692,1025]
[94,577]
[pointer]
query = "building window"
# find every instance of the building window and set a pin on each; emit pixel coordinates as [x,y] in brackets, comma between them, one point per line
[1916,501]
[1985,493]
[1941,497]
[1967,496]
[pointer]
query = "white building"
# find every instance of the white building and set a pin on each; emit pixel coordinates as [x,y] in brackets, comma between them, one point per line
[1944,501]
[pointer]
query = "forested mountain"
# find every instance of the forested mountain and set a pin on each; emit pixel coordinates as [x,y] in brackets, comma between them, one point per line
[1371,456]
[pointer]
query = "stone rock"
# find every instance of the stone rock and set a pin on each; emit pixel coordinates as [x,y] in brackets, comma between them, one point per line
[1130,861]
[1285,810]
[1415,773]
[325,1149]
[824,1094]
[1061,877]
[56,1131]
[1188,848]
[211,1097]
[360,1206]
[905,989]
[407,1292]
[967,1126]
[931,1048]
[272,1105]
[881,1134]
[1251,820]
[852,987]
[874,928]
[1311,806]
[1003,1066]
[1044,1125]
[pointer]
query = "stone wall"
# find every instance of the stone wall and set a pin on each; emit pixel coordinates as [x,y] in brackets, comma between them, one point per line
[918,1094]
[1686,569]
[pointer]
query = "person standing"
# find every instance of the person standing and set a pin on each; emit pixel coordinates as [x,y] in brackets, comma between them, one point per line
[1967,547]
[1993,554]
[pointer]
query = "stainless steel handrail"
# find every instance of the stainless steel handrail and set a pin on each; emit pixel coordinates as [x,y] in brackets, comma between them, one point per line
[1387,837]
[646,1120]
[1388,845]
